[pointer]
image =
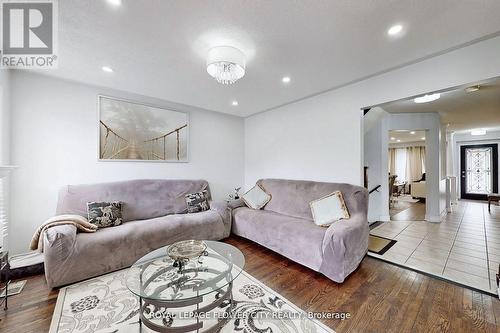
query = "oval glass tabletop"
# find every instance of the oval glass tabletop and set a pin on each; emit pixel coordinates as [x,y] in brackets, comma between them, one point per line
[154,276]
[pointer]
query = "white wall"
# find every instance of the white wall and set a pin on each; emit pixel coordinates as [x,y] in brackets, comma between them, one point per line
[320,138]
[4,154]
[374,135]
[4,116]
[54,136]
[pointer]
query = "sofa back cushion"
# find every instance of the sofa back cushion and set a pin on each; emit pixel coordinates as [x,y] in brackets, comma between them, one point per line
[142,199]
[292,197]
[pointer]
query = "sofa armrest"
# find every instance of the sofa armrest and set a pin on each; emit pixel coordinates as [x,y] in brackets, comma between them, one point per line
[345,242]
[344,246]
[350,233]
[58,245]
[223,209]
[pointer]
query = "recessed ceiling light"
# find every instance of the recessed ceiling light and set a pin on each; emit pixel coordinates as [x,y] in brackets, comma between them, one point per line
[235,103]
[423,138]
[115,2]
[398,140]
[286,79]
[412,132]
[472,89]
[478,131]
[393,138]
[395,30]
[427,98]
[107,69]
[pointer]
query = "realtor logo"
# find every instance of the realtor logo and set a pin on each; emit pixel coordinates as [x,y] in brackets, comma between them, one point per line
[28,34]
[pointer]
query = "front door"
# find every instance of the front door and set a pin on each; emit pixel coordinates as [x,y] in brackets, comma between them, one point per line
[478,171]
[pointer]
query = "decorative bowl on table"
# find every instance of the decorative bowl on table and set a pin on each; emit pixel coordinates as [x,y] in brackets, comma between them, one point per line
[188,249]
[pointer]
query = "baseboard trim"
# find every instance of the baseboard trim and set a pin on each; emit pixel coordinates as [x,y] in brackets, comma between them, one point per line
[433,219]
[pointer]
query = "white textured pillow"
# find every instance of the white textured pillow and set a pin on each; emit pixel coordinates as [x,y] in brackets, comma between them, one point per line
[329,209]
[256,197]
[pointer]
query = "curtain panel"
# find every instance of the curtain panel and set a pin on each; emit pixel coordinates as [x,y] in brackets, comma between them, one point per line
[415,163]
[392,161]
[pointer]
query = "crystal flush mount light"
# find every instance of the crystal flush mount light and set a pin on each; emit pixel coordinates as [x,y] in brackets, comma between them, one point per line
[226,64]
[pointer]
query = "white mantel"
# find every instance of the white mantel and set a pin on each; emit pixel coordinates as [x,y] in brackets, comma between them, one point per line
[4,199]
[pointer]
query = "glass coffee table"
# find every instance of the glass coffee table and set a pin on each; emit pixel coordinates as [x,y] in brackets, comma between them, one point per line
[196,296]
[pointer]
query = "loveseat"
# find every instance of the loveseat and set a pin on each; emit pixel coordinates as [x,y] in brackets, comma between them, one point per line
[418,189]
[285,225]
[154,215]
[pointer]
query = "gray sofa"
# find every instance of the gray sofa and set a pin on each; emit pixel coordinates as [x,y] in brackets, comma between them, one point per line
[285,225]
[154,215]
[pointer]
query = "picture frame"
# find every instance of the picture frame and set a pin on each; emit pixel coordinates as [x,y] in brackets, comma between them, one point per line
[132,131]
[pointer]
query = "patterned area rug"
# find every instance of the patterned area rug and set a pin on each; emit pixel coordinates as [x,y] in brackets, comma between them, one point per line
[105,305]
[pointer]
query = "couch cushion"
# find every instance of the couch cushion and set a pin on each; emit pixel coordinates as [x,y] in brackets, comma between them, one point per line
[297,239]
[110,249]
[256,197]
[197,202]
[105,214]
[329,209]
[142,199]
[292,197]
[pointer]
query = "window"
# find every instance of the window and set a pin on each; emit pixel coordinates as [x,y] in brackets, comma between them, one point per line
[401,164]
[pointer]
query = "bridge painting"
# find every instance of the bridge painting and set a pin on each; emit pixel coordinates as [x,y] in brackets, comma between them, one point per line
[134,131]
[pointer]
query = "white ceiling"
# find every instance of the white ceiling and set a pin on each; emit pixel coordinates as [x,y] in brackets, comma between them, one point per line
[158,48]
[459,109]
[404,136]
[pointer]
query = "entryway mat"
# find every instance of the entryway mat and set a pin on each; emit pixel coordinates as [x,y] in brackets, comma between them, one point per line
[379,245]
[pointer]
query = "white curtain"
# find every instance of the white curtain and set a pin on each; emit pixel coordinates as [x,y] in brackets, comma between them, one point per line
[392,161]
[415,163]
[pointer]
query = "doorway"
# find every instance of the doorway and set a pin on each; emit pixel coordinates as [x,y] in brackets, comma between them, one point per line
[478,171]
[406,166]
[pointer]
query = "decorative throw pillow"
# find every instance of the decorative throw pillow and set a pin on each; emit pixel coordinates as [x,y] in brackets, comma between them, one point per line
[329,209]
[105,214]
[256,197]
[197,202]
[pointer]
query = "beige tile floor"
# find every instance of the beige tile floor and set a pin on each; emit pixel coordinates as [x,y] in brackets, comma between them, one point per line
[464,248]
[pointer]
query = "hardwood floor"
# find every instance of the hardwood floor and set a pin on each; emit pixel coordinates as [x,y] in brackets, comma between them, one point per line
[380,298]
[411,212]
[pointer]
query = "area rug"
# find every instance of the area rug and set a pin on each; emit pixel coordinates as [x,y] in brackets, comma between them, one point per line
[379,245]
[105,305]
[14,288]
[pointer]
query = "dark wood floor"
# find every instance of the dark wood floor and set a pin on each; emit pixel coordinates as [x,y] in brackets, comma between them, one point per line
[409,212]
[379,296]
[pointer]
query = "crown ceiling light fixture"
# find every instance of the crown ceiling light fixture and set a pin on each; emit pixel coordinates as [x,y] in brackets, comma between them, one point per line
[226,64]
[427,98]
